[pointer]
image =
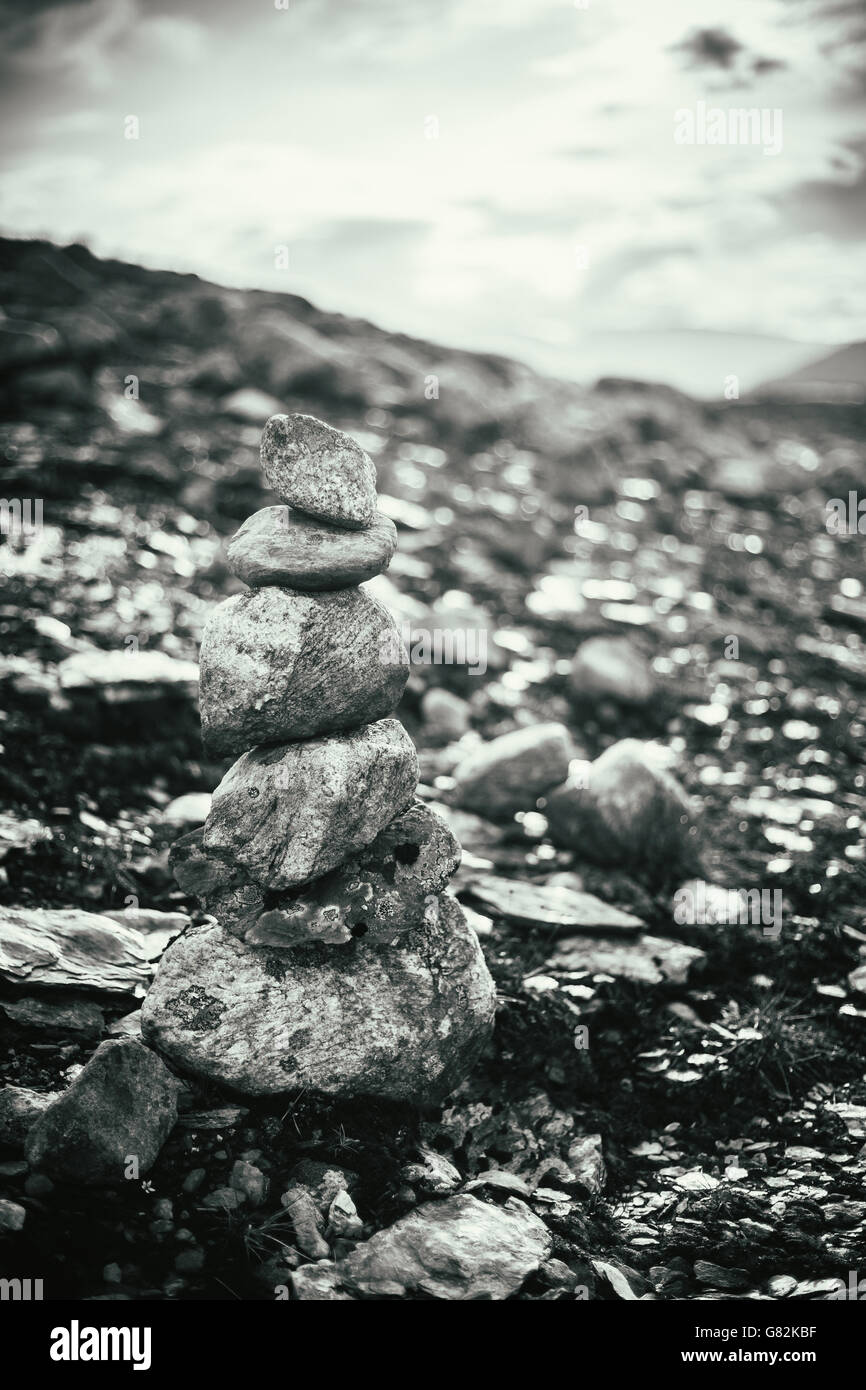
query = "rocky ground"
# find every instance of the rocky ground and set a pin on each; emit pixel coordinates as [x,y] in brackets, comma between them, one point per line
[668,1110]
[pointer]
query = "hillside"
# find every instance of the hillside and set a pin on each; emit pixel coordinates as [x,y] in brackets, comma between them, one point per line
[710,1137]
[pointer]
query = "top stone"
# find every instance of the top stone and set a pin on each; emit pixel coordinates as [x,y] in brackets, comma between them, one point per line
[319,470]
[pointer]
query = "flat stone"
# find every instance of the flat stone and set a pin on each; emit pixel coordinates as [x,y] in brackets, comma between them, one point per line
[538,904]
[403,1023]
[280,546]
[320,470]
[457,1249]
[381,894]
[120,677]
[279,665]
[250,404]
[65,946]
[649,960]
[189,809]
[157,928]
[123,1104]
[626,809]
[292,813]
[61,1017]
[512,771]
[612,667]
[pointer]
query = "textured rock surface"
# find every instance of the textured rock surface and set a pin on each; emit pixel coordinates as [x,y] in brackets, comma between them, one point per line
[122,1105]
[318,469]
[511,772]
[58,1016]
[459,1248]
[289,814]
[612,666]
[404,1023]
[278,665]
[649,960]
[531,904]
[20,1108]
[381,894]
[223,890]
[630,812]
[65,946]
[279,546]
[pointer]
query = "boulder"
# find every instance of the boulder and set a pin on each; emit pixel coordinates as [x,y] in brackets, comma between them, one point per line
[626,809]
[121,1106]
[20,1108]
[279,665]
[456,1249]
[402,1023]
[512,771]
[291,813]
[279,546]
[612,667]
[319,470]
[446,716]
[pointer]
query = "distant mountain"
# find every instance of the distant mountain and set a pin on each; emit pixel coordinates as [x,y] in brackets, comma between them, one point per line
[836,376]
[697,361]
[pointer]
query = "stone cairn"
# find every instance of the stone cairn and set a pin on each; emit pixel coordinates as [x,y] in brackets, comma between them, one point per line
[333,961]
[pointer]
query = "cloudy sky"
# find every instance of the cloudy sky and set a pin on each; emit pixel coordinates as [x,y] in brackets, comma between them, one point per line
[488,173]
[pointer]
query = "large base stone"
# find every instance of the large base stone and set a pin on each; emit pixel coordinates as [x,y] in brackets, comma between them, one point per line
[403,1023]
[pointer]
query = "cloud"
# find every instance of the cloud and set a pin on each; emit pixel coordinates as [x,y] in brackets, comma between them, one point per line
[710,48]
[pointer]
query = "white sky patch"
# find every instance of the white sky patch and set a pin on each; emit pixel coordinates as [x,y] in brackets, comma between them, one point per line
[553,207]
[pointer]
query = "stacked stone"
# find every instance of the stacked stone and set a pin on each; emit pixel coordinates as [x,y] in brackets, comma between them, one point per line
[334,962]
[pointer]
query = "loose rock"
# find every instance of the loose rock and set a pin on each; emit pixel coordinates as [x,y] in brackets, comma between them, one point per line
[511,772]
[626,810]
[612,667]
[445,715]
[20,1108]
[123,1104]
[12,1216]
[279,665]
[459,1248]
[320,470]
[65,946]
